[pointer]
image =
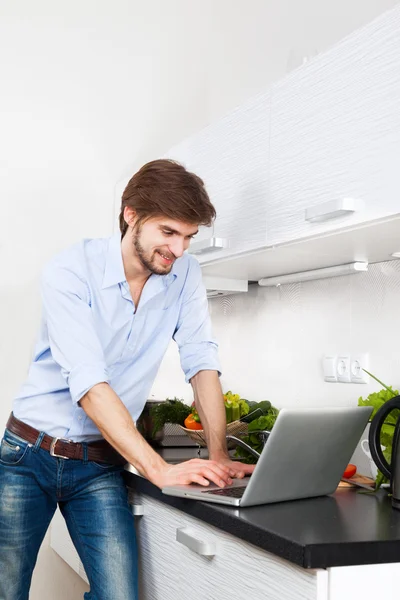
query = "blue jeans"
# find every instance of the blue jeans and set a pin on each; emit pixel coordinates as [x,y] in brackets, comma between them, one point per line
[94,502]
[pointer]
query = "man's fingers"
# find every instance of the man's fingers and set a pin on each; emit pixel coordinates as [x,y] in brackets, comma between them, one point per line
[221,471]
[194,478]
[202,472]
[213,476]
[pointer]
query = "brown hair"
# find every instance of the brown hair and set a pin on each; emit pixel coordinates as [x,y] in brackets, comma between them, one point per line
[164,188]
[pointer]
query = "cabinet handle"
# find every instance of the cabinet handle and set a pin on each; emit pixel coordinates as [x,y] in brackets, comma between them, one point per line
[187,537]
[210,245]
[137,510]
[331,210]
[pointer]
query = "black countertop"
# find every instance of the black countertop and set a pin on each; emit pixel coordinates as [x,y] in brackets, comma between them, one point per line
[345,528]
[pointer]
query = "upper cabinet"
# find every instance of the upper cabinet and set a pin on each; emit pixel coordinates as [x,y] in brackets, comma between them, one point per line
[232,157]
[335,134]
[307,174]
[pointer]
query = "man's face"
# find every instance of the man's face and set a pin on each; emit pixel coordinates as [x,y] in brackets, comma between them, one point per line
[160,241]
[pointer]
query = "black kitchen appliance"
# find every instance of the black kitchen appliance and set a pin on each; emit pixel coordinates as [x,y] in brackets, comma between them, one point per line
[392,471]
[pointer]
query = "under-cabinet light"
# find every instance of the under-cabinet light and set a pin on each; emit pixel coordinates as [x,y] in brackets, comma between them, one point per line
[349,269]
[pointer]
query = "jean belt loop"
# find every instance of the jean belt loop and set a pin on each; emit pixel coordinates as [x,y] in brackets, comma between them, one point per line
[85,453]
[38,441]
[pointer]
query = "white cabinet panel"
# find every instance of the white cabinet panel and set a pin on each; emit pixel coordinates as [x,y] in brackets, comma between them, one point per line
[335,133]
[237,569]
[158,565]
[232,157]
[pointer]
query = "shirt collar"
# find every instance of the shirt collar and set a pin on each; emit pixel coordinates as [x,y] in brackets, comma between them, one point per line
[114,268]
[114,272]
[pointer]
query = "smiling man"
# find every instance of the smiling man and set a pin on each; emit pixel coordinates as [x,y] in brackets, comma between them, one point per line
[110,308]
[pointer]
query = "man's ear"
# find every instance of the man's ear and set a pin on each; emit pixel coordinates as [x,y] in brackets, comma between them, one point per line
[130,216]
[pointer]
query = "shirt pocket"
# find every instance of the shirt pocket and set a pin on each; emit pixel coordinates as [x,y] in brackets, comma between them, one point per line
[13,449]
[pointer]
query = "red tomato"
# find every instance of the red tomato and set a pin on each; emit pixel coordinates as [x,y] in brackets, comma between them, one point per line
[350,471]
[190,423]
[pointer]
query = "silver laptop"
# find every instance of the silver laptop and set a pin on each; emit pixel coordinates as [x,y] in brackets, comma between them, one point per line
[305,456]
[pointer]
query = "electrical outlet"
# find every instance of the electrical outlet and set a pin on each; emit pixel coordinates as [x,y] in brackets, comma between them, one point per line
[346,368]
[343,368]
[329,368]
[357,363]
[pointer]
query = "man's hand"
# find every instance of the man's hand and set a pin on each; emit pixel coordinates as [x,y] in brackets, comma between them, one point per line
[236,468]
[202,472]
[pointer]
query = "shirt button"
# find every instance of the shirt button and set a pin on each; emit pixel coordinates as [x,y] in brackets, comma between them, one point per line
[80,418]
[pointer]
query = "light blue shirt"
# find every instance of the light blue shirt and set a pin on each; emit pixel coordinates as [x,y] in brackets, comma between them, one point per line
[90,334]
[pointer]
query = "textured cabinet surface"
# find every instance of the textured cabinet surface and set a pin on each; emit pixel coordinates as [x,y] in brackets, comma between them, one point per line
[232,157]
[238,569]
[335,133]
[329,130]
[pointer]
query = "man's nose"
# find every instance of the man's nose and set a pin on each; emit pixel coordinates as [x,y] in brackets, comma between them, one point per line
[177,248]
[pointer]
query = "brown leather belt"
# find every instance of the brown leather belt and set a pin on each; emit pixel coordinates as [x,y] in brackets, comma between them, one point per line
[100,451]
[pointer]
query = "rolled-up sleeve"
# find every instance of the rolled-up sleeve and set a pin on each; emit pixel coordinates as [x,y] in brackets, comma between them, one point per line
[197,349]
[74,343]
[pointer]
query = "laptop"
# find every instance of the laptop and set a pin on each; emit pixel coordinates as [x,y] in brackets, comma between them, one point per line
[305,456]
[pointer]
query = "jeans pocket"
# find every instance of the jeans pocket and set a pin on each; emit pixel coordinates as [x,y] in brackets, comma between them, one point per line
[12,449]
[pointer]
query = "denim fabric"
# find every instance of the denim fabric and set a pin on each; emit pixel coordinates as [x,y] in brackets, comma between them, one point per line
[93,499]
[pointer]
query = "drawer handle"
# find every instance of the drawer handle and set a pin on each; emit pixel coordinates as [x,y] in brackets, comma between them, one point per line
[187,537]
[210,245]
[137,510]
[332,210]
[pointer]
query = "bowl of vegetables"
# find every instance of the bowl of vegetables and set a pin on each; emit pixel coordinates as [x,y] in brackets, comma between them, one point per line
[240,414]
[245,419]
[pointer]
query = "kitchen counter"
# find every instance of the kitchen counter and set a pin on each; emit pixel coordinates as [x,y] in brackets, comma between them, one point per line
[343,529]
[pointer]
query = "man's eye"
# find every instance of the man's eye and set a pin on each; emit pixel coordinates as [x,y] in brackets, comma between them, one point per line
[167,232]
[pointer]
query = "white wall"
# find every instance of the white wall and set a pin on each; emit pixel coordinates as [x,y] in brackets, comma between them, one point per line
[91,89]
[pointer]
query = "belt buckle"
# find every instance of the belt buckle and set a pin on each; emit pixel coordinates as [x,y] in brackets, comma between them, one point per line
[53,445]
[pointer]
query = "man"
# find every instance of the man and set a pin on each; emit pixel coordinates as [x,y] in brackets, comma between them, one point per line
[111,307]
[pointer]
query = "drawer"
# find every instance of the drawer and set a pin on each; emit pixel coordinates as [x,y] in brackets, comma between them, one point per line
[210,564]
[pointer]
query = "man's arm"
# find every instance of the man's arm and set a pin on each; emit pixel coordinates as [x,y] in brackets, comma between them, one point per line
[210,406]
[115,423]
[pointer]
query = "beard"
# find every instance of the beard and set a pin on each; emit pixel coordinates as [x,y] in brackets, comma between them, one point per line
[149,259]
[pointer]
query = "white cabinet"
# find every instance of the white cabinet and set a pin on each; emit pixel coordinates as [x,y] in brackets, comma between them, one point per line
[335,133]
[232,157]
[328,131]
[230,569]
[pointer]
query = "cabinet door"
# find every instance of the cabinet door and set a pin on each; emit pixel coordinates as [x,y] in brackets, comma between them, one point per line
[158,566]
[229,569]
[335,133]
[232,158]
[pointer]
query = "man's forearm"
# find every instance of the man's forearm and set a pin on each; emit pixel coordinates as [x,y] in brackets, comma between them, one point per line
[210,406]
[115,423]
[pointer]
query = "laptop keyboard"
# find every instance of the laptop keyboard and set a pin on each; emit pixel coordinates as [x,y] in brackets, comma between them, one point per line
[236,492]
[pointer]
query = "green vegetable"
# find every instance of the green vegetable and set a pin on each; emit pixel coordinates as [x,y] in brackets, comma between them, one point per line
[244,407]
[266,422]
[228,412]
[169,411]
[376,400]
[264,405]
[258,409]
[235,407]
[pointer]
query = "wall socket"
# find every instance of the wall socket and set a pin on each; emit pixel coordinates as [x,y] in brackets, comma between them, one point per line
[346,368]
